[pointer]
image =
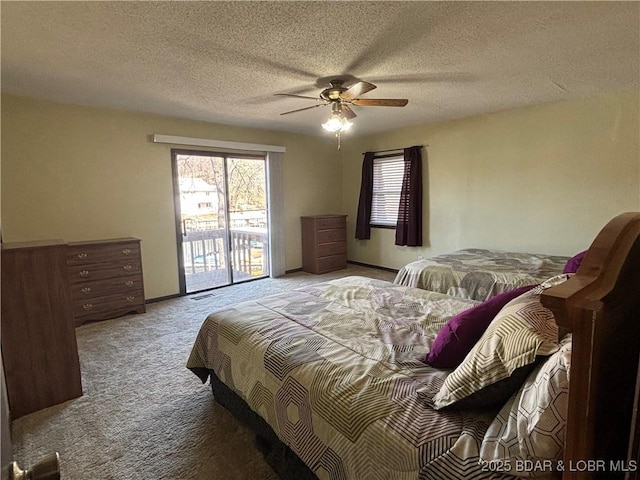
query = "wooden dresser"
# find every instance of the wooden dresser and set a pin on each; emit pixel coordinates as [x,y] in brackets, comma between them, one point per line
[324,243]
[39,349]
[106,278]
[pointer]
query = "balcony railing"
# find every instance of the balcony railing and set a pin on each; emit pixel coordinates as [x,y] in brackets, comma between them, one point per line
[205,251]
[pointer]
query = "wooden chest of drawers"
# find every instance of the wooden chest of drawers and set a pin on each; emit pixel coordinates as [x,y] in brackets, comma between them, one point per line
[39,349]
[324,243]
[106,278]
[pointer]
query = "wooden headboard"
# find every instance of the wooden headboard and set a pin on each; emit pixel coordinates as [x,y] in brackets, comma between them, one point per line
[600,305]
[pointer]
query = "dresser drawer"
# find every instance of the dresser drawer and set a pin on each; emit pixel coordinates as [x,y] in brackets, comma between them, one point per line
[334,248]
[101,271]
[107,307]
[83,254]
[323,223]
[332,235]
[109,286]
[333,262]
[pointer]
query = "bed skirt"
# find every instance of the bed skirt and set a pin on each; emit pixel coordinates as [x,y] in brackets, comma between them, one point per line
[278,456]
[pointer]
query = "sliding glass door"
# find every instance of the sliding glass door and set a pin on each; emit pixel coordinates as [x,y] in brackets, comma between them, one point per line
[221,218]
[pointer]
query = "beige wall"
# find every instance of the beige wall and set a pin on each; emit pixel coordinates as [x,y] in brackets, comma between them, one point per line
[537,179]
[80,173]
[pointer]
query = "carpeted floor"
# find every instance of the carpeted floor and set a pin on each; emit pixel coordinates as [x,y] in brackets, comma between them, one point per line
[143,415]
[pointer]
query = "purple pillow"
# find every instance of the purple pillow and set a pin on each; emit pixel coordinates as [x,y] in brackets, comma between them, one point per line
[574,262]
[462,331]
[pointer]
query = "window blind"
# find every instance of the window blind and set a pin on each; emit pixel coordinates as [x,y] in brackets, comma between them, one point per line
[387,185]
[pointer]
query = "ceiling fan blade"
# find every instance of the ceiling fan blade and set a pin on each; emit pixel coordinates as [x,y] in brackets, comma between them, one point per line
[379,102]
[356,90]
[347,112]
[306,108]
[299,96]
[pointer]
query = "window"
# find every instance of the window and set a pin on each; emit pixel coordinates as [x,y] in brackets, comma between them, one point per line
[395,187]
[387,185]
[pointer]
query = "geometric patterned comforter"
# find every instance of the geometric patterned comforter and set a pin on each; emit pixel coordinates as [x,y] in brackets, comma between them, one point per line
[479,274]
[333,370]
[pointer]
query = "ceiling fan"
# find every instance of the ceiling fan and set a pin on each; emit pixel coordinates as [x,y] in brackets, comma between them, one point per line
[340,97]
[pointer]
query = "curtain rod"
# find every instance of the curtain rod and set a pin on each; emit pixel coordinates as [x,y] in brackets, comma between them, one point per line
[394,149]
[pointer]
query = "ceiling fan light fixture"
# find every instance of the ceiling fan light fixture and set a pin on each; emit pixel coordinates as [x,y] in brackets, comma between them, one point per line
[346,125]
[337,123]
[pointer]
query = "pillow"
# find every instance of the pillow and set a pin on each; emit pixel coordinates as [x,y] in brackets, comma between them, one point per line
[458,336]
[522,331]
[574,262]
[531,426]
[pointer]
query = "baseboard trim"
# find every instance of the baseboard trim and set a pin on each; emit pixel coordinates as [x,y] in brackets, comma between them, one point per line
[160,299]
[386,269]
[378,267]
[293,270]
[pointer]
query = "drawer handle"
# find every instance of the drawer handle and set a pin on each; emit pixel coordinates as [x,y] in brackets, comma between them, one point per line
[128,267]
[82,255]
[84,273]
[130,298]
[129,283]
[126,251]
[86,290]
[87,306]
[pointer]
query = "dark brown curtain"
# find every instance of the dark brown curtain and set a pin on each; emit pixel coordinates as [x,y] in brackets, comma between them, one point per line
[409,226]
[363,229]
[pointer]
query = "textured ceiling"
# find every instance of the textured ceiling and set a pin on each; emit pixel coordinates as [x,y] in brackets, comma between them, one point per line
[224,61]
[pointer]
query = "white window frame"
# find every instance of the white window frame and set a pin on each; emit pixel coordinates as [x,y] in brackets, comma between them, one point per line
[388,172]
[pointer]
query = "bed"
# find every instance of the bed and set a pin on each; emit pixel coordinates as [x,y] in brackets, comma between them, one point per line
[333,380]
[479,273]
